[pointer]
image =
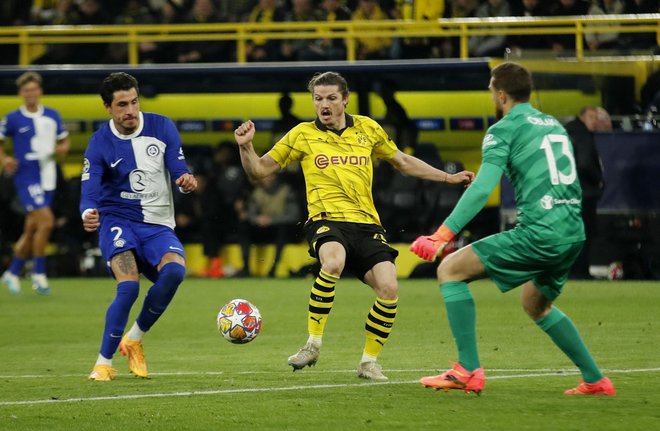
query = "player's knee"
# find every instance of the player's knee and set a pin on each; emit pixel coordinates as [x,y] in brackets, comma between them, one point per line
[172,274]
[333,266]
[389,291]
[443,272]
[534,310]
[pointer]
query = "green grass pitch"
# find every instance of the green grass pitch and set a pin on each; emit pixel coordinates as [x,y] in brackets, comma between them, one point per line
[48,346]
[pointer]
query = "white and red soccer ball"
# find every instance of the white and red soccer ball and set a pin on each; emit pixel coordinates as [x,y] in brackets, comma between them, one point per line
[239,321]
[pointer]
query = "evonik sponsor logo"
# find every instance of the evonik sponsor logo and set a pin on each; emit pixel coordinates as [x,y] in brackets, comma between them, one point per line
[322,161]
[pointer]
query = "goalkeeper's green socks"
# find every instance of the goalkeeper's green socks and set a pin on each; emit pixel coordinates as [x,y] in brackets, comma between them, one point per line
[566,336]
[462,316]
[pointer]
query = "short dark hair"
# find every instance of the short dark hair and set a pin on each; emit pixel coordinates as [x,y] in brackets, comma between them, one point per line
[28,77]
[328,78]
[117,82]
[514,79]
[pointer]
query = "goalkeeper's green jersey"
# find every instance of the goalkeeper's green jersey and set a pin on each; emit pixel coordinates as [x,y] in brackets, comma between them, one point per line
[536,155]
[337,166]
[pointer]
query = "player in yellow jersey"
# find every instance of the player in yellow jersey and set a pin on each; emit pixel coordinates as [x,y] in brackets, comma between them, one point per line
[343,229]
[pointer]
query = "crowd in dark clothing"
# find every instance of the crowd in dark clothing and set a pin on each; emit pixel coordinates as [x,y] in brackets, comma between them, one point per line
[129,12]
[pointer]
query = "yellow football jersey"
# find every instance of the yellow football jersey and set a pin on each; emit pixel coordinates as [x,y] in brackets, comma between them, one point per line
[338,167]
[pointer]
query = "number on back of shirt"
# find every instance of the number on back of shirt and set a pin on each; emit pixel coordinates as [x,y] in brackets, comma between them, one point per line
[559,142]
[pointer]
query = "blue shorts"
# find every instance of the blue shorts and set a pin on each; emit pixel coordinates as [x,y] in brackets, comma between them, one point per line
[149,242]
[33,196]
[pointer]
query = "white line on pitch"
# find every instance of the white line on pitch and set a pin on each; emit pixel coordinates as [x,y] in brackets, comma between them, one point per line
[280,389]
[410,370]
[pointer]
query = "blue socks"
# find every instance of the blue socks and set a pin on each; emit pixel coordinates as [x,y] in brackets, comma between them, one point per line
[39,265]
[161,293]
[157,299]
[16,265]
[117,316]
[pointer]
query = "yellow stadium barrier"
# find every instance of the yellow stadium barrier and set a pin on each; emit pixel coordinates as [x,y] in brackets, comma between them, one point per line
[28,38]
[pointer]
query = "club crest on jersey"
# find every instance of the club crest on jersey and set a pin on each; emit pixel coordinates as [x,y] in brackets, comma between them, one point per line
[119,243]
[322,229]
[153,150]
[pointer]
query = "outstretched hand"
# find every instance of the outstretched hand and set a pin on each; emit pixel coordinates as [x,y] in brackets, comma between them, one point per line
[427,247]
[187,183]
[463,177]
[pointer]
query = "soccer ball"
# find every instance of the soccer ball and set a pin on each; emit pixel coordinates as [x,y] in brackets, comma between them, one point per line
[239,321]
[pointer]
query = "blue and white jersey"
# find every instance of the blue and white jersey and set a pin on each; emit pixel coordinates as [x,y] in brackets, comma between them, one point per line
[34,135]
[131,176]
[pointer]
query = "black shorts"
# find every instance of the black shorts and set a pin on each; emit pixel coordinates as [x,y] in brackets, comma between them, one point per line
[365,244]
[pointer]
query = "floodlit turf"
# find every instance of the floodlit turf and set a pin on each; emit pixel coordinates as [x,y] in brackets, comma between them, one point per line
[48,346]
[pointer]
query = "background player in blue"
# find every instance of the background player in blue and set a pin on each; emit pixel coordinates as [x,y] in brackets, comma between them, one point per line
[38,135]
[128,170]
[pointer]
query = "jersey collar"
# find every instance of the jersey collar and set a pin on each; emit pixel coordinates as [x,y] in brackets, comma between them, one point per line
[132,135]
[25,112]
[322,127]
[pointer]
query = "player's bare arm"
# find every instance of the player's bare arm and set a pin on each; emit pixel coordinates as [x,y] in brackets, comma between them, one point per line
[187,182]
[91,220]
[8,163]
[62,147]
[415,167]
[256,167]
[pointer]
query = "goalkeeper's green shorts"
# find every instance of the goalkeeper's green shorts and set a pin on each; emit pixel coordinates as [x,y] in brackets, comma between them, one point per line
[511,260]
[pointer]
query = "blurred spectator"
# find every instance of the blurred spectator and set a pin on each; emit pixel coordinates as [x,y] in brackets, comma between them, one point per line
[417,10]
[301,11]
[235,10]
[565,43]
[224,206]
[14,12]
[597,41]
[134,12]
[449,47]
[490,46]
[161,52]
[650,94]
[371,48]
[590,173]
[401,129]
[328,49]
[258,48]
[273,213]
[90,12]
[287,120]
[641,40]
[59,53]
[204,12]
[603,120]
[520,44]
[189,212]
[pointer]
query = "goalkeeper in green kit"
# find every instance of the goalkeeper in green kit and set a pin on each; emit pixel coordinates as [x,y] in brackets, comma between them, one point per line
[533,150]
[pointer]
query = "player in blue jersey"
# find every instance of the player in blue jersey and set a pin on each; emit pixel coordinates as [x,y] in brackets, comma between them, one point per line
[129,167]
[38,136]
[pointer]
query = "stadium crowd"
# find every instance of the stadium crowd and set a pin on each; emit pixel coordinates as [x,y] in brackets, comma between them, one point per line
[107,12]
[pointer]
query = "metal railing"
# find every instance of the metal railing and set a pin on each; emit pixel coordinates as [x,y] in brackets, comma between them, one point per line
[350,31]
